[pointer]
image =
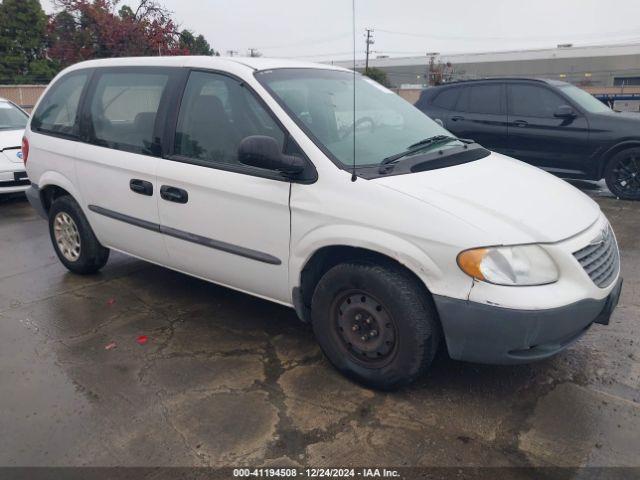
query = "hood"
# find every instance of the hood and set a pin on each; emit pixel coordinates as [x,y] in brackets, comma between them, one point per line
[10,145]
[510,201]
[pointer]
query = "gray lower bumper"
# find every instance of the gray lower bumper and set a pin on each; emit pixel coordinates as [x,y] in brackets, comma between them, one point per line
[485,334]
[33,195]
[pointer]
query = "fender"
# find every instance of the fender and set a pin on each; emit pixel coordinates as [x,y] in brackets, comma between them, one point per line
[408,254]
[51,177]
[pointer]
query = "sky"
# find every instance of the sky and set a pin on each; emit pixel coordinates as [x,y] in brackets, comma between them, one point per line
[322,30]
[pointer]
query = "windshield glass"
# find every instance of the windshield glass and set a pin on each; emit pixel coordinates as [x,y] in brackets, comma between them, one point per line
[585,99]
[11,117]
[321,101]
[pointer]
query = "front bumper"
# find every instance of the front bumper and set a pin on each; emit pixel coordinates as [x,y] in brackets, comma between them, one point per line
[482,333]
[13,180]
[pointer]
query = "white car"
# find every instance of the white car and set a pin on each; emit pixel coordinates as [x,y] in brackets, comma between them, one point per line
[386,233]
[13,177]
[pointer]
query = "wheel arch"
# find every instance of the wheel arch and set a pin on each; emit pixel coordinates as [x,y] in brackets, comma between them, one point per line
[613,151]
[315,258]
[53,185]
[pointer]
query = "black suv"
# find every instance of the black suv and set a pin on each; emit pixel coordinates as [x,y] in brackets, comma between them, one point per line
[551,124]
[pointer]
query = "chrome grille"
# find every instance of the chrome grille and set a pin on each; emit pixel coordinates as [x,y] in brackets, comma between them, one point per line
[600,259]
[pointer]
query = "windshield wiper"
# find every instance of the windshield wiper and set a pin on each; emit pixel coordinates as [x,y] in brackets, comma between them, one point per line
[418,146]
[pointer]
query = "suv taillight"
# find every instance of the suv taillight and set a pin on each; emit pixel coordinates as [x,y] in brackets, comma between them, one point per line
[25,150]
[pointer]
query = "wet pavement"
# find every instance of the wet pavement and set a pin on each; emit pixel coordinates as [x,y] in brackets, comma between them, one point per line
[227,379]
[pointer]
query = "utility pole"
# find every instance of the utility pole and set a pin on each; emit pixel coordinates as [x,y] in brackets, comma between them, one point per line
[370,42]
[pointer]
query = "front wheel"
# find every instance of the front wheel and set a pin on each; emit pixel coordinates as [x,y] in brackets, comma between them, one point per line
[622,174]
[73,239]
[375,324]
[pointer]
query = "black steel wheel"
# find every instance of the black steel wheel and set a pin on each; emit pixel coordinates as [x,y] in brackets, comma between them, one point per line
[375,323]
[623,174]
[366,329]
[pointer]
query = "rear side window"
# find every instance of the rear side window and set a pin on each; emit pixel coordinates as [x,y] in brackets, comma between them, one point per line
[58,110]
[485,99]
[533,101]
[447,98]
[123,109]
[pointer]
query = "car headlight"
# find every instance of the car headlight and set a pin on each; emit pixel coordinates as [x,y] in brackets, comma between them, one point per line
[518,265]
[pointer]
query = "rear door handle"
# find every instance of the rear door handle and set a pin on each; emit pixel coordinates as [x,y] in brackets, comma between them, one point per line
[174,194]
[457,118]
[521,123]
[141,186]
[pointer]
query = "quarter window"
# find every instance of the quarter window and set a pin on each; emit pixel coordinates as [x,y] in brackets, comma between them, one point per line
[58,111]
[123,110]
[533,101]
[216,113]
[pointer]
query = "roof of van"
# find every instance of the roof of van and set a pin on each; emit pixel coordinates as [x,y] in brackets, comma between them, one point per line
[254,63]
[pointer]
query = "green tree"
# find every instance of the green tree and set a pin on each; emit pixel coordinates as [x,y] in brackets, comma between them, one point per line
[23,26]
[195,45]
[378,75]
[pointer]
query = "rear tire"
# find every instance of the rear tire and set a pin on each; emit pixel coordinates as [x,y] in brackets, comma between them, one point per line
[622,174]
[73,239]
[375,324]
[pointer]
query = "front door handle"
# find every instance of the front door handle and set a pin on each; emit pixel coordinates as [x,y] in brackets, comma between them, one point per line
[141,186]
[457,118]
[174,194]
[521,123]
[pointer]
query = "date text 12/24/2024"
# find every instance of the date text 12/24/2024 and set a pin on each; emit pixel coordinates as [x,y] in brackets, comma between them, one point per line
[315,473]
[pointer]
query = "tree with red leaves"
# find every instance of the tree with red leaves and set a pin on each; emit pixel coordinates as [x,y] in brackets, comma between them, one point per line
[85,29]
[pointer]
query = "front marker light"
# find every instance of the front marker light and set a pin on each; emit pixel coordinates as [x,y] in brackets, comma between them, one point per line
[513,266]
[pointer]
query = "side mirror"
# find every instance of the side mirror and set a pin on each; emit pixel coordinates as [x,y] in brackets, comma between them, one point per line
[439,122]
[564,111]
[264,152]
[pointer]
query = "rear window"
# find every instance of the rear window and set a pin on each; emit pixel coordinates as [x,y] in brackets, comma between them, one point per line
[58,111]
[123,109]
[486,99]
[447,98]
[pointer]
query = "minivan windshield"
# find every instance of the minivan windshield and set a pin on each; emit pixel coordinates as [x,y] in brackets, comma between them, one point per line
[321,102]
[11,117]
[583,98]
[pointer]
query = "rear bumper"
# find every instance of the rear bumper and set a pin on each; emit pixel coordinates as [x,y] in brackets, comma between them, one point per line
[33,195]
[487,334]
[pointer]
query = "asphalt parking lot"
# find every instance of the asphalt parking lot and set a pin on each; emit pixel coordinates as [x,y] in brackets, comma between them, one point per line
[225,379]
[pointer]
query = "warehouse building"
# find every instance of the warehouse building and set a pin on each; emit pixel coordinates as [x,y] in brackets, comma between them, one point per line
[611,72]
[598,66]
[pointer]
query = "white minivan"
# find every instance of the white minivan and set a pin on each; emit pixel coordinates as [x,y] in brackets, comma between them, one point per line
[388,234]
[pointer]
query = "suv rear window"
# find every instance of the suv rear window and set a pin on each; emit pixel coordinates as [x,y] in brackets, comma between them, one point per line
[58,110]
[447,98]
[481,99]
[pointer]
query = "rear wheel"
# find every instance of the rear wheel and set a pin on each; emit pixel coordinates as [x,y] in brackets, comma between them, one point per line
[73,239]
[622,174]
[375,324]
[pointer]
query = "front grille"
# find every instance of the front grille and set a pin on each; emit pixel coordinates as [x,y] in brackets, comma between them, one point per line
[600,259]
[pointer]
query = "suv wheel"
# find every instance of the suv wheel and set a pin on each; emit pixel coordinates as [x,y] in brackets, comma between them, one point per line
[73,240]
[622,174]
[375,324]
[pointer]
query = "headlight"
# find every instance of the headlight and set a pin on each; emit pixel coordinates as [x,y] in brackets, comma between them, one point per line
[519,265]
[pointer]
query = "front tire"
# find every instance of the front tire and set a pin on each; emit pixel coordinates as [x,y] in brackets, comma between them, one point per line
[622,174]
[375,324]
[73,239]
